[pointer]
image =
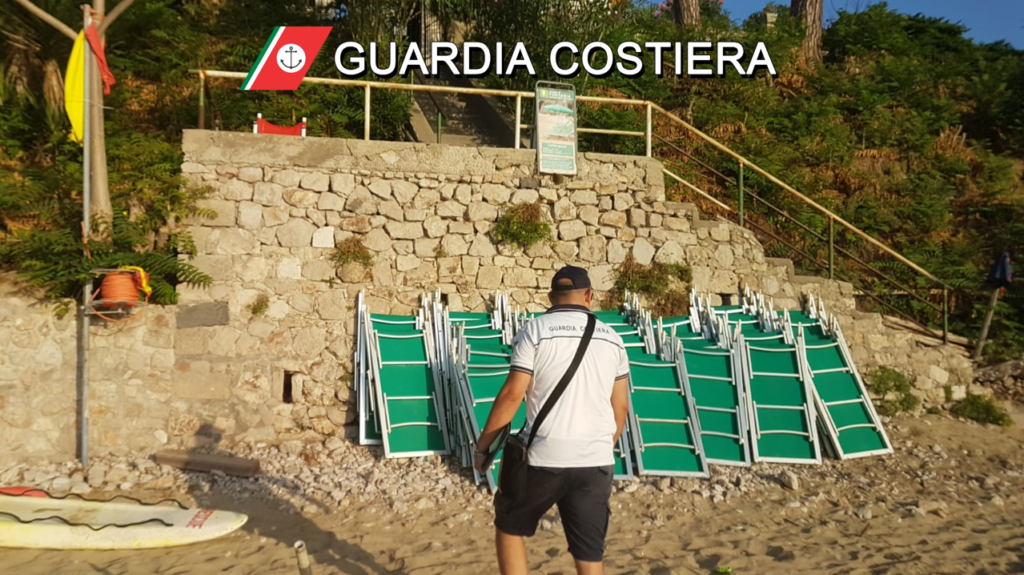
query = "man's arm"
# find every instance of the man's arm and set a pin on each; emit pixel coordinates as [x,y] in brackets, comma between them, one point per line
[504,409]
[620,404]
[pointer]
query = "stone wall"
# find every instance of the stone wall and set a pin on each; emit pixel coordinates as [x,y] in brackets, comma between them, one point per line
[211,367]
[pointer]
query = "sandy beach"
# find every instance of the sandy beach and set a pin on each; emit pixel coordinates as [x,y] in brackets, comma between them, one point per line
[946,503]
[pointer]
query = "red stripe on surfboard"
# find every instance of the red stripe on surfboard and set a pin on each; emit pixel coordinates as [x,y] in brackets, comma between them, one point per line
[273,75]
[22,491]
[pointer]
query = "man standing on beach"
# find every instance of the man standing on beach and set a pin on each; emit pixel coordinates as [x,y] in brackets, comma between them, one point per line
[571,459]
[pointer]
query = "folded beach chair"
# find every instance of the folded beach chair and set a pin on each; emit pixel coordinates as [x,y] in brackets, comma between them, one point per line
[718,396]
[407,387]
[780,404]
[666,439]
[844,407]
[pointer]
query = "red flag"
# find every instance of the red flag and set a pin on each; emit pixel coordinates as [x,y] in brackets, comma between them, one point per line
[286,57]
[97,48]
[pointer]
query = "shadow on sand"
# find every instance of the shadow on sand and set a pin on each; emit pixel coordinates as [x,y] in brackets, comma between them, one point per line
[266,511]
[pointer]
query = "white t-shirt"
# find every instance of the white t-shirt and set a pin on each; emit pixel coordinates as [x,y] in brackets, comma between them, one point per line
[580,430]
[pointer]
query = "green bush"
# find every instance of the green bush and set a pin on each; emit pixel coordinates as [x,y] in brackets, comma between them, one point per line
[887,382]
[352,250]
[982,410]
[664,285]
[522,225]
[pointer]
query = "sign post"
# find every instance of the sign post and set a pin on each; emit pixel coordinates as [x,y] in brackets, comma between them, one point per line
[556,128]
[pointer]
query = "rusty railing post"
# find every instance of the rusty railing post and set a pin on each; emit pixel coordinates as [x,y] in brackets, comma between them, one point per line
[519,120]
[831,247]
[649,129]
[945,315]
[202,99]
[366,113]
[741,193]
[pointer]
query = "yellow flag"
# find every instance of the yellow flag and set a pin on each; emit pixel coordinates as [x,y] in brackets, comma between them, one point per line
[74,89]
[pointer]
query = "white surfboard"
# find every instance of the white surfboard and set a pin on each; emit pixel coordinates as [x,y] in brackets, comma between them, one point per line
[153,526]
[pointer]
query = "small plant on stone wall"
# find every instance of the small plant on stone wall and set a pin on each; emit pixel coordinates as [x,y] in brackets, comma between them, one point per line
[522,225]
[665,286]
[440,253]
[260,305]
[982,410]
[352,250]
[894,389]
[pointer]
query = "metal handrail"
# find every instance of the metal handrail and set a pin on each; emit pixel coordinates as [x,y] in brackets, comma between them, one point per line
[805,227]
[369,85]
[745,162]
[821,265]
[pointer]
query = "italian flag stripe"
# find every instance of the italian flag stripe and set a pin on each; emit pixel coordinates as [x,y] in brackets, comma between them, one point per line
[268,49]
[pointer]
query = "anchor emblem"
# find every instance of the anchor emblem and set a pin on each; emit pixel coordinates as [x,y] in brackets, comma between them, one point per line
[290,58]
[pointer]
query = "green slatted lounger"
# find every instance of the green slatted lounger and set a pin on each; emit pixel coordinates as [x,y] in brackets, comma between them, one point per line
[843,403]
[407,393]
[623,456]
[665,439]
[780,405]
[411,424]
[750,327]
[718,398]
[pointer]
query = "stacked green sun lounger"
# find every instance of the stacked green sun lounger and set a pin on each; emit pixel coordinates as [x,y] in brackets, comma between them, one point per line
[724,385]
[406,386]
[844,407]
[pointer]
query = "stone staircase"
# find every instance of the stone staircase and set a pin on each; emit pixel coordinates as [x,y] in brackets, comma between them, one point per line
[468,119]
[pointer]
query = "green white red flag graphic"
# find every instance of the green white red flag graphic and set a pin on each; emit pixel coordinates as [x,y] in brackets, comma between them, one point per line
[286,57]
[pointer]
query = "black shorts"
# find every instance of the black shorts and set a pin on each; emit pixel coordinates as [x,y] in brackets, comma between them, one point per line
[581,494]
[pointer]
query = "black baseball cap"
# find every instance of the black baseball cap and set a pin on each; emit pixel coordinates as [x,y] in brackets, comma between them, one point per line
[577,276]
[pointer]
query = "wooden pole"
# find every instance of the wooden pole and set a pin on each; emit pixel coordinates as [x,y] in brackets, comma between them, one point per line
[980,346]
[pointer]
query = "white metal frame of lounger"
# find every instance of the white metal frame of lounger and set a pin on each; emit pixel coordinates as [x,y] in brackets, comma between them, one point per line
[694,428]
[465,391]
[808,408]
[361,368]
[739,412]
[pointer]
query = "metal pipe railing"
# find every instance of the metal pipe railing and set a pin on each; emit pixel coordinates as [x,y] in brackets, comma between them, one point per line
[808,257]
[808,201]
[647,134]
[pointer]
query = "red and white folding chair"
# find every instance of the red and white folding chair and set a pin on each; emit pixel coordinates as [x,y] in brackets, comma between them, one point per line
[264,127]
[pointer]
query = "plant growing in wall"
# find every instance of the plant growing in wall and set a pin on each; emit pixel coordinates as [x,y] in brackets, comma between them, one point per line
[522,225]
[666,286]
[352,251]
[260,305]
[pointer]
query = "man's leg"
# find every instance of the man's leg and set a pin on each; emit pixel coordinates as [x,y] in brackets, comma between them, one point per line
[512,553]
[589,568]
[514,521]
[585,513]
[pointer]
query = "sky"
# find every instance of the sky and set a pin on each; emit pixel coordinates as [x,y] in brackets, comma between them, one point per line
[988,20]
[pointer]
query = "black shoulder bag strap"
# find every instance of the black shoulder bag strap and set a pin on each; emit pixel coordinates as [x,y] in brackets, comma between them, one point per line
[588,334]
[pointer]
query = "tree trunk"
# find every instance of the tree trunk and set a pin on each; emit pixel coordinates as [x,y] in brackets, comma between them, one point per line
[686,13]
[811,13]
